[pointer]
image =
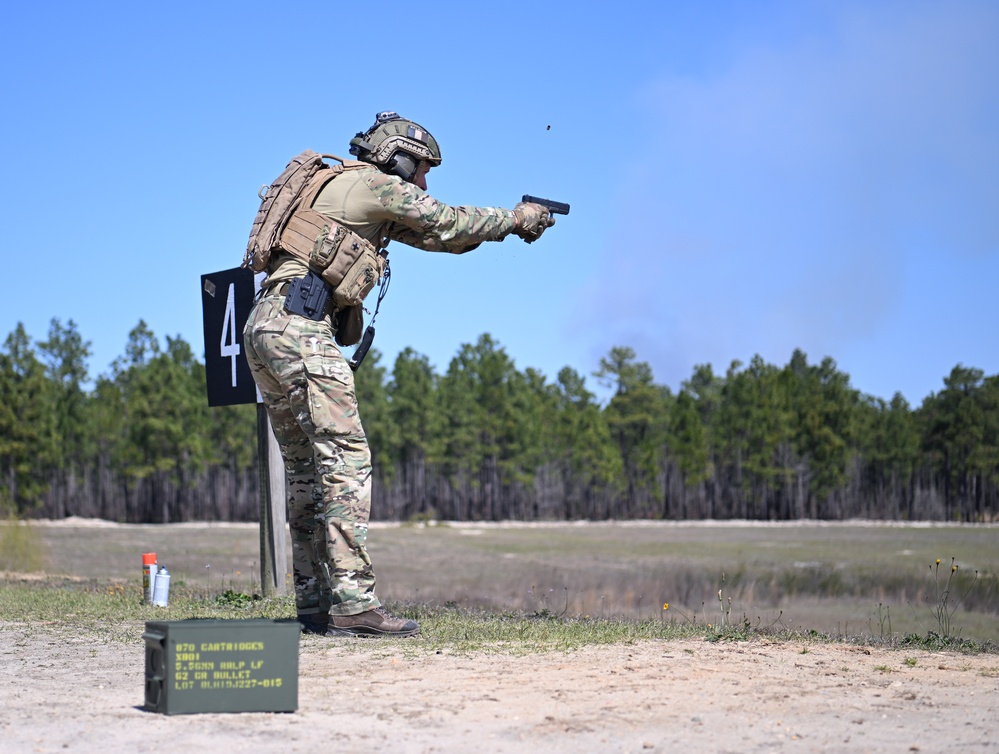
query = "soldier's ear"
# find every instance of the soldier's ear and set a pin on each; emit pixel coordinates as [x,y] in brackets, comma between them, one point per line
[403,165]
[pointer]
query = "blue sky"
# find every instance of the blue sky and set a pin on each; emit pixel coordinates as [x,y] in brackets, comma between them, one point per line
[745,178]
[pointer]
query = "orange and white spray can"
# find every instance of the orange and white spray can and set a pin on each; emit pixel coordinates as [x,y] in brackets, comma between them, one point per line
[148,577]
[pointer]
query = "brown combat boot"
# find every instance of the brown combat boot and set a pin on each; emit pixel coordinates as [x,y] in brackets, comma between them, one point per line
[377,622]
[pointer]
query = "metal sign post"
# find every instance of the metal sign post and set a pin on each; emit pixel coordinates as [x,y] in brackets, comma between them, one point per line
[273,518]
[227,298]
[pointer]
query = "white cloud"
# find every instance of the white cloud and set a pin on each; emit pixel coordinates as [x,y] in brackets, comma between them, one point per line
[781,200]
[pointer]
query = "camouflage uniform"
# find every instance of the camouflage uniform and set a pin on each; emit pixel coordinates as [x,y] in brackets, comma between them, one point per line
[308,387]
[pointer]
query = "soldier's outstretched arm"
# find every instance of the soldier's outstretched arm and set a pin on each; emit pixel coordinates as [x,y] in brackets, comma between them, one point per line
[417,219]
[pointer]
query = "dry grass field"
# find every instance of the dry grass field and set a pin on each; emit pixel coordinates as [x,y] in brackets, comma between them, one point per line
[830,577]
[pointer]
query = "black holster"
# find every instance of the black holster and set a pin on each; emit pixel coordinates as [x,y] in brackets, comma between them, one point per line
[308,296]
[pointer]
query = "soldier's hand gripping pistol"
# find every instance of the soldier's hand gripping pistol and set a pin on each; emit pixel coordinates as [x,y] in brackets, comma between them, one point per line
[534,216]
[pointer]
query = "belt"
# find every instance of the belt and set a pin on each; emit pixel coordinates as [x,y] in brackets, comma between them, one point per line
[281,289]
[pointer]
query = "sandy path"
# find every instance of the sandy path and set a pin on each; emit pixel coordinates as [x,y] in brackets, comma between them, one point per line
[59,694]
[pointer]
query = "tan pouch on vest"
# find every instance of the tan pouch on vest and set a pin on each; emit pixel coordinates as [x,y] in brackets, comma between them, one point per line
[360,277]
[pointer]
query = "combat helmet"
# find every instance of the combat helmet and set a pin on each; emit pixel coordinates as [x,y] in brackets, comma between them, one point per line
[396,145]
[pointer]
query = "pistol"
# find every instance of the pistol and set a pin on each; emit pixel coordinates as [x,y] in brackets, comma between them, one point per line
[555,208]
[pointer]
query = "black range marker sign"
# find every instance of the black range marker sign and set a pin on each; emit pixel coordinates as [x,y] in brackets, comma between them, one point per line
[226,300]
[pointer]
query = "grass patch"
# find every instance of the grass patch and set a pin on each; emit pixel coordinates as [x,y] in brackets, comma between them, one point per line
[464,630]
[21,547]
[112,611]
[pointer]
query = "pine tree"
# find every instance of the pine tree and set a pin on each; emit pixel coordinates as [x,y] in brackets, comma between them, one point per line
[28,439]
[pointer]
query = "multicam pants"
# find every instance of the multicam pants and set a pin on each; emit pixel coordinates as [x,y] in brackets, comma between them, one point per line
[308,389]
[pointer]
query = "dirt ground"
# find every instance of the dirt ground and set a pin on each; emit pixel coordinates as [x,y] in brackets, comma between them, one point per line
[59,694]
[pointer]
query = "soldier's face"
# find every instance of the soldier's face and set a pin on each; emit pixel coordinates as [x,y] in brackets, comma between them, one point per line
[420,179]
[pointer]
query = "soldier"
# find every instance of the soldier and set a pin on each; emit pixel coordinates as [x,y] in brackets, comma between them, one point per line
[308,386]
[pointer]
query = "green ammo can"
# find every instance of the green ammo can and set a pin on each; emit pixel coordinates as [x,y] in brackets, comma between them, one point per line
[221,666]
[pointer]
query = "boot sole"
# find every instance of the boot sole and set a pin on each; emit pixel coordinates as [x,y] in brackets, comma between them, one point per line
[370,633]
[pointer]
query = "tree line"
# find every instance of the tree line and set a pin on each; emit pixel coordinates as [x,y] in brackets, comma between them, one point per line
[487,441]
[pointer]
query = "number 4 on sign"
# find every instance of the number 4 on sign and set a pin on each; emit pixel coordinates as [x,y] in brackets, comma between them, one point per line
[228,347]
